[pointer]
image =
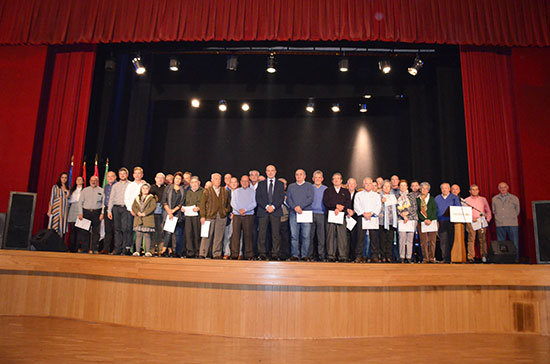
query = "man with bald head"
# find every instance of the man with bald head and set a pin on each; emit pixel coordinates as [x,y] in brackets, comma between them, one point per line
[299,198]
[270,195]
[506,211]
[446,230]
[215,206]
[90,206]
[243,203]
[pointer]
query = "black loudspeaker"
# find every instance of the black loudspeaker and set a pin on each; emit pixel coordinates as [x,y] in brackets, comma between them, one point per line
[19,220]
[502,252]
[541,220]
[48,240]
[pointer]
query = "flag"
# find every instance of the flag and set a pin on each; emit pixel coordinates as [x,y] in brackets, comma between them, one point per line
[84,172]
[105,174]
[96,171]
[71,172]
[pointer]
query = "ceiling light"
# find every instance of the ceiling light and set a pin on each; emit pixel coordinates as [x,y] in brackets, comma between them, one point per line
[195,103]
[335,108]
[362,107]
[222,106]
[174,65]
[343,65]
[416,66]
[367,96]
[232,62]
[310,106]
[271,64]
[139,67]
[384,66]
[245,106]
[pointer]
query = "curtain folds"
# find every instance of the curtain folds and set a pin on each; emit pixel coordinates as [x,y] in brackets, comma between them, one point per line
[464,22]
[65,129]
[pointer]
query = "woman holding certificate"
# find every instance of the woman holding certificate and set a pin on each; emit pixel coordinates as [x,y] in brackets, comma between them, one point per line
[406,207]
[427,216]
[387,221]
[144,221]
[172,201]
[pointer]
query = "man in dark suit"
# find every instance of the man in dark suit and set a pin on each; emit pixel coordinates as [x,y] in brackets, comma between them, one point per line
[270,195]
[337,199]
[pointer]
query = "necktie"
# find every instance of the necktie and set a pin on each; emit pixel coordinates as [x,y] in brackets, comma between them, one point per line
[270,192]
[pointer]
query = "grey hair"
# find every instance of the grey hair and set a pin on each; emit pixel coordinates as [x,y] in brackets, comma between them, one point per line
[425,184]
[318,172]
[215,174]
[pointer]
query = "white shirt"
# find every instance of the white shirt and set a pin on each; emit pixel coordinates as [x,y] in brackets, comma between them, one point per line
[132,191]
[75,196]
[254,186]
[367,202]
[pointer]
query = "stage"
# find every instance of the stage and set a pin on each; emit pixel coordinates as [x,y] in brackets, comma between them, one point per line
[277,300]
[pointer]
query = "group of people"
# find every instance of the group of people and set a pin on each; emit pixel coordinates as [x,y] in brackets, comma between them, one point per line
[260,217]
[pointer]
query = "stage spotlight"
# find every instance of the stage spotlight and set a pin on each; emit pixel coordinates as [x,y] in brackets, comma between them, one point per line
[271,64]
[174,65]
[232,63]
[140,68]
[416,66]
[310,106]
[195,103]
[222,106]
[335,108]
[384,66]
[343,65]
[362,107]
[245,106]
[367,96]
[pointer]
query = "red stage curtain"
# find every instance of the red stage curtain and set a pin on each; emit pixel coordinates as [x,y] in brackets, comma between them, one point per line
[491,126]
[467,22]
[21,75]
[65,130]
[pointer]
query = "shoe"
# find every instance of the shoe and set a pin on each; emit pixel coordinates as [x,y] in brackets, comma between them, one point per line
[343,260]
[484,260]
[217,257]
[136,254]
[357,260]
[104,252]
[225,257]
[293,259]
[148,254]
[202,257]
[241,257]
[304,259]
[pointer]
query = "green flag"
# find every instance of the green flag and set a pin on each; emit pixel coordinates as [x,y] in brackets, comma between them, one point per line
[105,175]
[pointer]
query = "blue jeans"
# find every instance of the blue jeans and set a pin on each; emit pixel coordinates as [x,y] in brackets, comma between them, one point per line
[512,232]
[299,233]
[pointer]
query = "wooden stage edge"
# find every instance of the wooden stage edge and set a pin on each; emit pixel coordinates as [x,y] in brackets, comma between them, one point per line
[283,300]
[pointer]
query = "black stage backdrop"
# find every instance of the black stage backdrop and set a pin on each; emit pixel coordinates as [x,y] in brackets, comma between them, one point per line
[414,126]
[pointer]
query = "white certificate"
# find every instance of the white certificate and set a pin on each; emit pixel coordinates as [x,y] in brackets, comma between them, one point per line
[335,219]
[83,224]
[350,223]
[391,200]
[305,217]
[170,224]
[460,214]
[205,229]
[479,224]
[371,224]
[428,228]
[409,227]
[188,211]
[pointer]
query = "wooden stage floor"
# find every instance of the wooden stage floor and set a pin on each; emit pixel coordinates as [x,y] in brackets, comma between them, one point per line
[52,340]
[277,300]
